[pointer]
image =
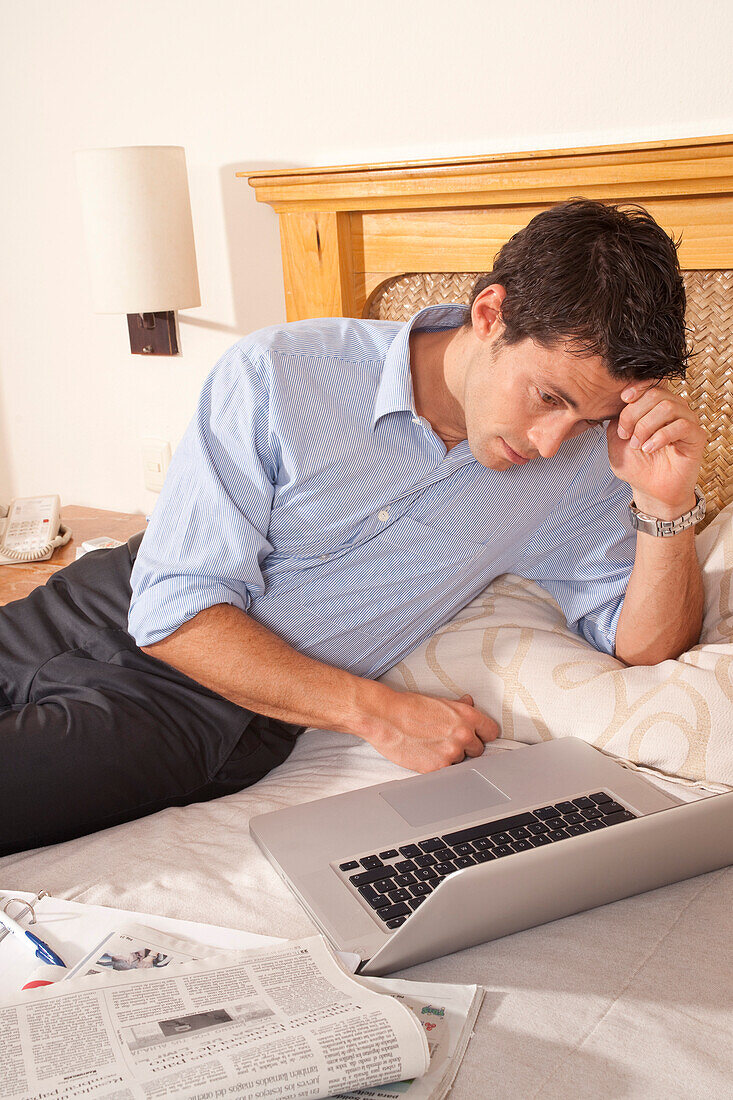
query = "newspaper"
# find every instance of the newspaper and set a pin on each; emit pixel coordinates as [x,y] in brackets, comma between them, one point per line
[446,1012]
[274,1024]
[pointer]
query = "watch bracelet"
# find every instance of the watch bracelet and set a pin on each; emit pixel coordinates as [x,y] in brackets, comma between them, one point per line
[666,528]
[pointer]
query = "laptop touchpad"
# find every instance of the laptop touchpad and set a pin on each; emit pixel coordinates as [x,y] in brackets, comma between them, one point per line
[448,793]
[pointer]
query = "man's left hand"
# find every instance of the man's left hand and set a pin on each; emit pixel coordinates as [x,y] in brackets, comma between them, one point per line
[656,445]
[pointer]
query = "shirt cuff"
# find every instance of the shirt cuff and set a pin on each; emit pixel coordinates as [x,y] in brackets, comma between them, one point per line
[600,628]
[159,611]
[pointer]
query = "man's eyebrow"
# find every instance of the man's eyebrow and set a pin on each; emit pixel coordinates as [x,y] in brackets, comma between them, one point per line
[551,387]
[566,398]
[555,389]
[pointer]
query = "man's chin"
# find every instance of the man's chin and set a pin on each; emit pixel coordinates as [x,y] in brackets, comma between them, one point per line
[493,461]
[491,454]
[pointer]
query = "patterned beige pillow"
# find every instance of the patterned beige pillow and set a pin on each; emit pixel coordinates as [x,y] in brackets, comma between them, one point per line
[513,652]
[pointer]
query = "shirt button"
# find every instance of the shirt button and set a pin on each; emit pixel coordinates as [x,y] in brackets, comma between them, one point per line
[384,515]
[416,420]
[324,557]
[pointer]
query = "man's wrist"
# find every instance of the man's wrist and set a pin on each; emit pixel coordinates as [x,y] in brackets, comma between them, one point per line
[658,509]
[368,705]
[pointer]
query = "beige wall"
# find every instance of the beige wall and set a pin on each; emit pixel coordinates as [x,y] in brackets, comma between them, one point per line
[246,85]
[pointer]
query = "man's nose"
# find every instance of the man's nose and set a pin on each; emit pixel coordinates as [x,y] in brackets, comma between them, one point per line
[548,437]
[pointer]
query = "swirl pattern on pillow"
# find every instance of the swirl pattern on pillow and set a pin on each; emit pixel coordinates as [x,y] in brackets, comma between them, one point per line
[511,649]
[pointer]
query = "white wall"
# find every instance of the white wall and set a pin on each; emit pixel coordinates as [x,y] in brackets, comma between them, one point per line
[248,85]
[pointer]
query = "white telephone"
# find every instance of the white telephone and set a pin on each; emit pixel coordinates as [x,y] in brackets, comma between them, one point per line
[32,530]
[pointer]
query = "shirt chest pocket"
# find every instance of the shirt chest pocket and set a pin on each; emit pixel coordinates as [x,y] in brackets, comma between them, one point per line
[433,545]
[392,542]
[325,546]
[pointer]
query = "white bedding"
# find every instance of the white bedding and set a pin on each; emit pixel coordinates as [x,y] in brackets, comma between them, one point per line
[632,999]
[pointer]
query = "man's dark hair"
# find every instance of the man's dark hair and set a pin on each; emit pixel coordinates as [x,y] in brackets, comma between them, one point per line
[600,280]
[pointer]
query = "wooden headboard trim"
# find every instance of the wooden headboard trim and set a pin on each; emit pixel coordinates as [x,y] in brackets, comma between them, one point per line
[344,230]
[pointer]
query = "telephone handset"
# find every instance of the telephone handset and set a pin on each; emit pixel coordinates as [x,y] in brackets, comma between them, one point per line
[32,530]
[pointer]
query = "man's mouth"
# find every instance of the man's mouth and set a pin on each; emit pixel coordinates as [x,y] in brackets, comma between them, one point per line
[513,455]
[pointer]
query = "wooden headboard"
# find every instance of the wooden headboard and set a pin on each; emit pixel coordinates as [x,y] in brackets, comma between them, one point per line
[346,232]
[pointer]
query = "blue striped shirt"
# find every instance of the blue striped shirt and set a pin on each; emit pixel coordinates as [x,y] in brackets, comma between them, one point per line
[308,493]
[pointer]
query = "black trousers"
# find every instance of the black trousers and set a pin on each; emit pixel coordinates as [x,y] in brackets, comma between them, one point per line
[93,731]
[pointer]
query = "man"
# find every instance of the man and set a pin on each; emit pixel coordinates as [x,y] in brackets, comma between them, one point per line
[345,488]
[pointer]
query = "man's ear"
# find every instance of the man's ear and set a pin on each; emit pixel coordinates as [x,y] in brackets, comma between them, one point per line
[486,311]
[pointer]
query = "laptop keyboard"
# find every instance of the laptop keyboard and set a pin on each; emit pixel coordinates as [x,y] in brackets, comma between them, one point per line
[396,881]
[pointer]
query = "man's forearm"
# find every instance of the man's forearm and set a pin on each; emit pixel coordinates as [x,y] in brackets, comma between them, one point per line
[662,612]
[230,653]
[237,657]
[656,446]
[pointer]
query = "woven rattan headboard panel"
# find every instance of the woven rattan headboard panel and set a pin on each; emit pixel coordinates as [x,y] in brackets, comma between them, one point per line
[349,234]
[709,382]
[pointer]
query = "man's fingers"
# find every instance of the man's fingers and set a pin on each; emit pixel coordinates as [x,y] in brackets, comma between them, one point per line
[485,728]
[654,406]
[637,389]
[659,415]
[475,747]
[426,733]
[662,416]
[640,406]
[679,431]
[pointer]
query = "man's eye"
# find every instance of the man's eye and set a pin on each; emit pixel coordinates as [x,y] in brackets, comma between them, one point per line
[547,398]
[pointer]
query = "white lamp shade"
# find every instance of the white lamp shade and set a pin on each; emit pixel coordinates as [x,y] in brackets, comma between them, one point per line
[138,228]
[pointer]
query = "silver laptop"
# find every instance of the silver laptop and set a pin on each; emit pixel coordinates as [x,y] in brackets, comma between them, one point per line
[406,871]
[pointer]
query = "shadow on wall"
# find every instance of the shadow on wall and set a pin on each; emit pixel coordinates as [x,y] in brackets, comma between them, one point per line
[5,466]
[253,244]
[253,239]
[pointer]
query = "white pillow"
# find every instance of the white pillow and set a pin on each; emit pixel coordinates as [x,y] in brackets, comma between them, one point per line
[513,652]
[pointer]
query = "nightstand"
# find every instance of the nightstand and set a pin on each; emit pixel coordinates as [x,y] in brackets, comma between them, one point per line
[17,581]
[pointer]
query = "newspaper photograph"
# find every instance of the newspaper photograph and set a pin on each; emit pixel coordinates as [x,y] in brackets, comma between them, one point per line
[282,1022]
[135,948]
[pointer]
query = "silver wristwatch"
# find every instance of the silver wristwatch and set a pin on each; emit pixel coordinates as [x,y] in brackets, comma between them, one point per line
[664,528]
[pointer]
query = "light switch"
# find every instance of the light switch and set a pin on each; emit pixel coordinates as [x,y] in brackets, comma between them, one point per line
[156,460]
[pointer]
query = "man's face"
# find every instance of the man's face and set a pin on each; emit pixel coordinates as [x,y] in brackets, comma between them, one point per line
[522,402]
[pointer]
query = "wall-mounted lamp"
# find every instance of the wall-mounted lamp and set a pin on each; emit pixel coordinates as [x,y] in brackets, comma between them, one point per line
[139,235]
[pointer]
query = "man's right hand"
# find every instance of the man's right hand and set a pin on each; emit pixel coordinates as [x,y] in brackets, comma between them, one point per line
[425,733]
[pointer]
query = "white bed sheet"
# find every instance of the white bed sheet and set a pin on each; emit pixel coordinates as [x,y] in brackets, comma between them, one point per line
[628,1000]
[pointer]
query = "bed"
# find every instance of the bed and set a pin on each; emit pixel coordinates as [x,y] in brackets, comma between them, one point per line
[631,999]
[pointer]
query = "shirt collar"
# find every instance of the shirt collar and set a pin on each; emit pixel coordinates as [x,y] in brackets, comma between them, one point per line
[394,393]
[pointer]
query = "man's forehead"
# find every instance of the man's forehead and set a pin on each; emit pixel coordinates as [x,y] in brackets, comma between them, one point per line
[583,382]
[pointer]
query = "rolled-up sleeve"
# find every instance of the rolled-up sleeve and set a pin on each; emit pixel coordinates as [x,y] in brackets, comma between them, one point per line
[207,537]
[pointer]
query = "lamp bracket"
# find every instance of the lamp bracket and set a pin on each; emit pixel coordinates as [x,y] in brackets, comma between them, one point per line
[153,333]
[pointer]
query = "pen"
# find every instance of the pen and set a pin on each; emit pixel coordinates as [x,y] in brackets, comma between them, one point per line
[40,949]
